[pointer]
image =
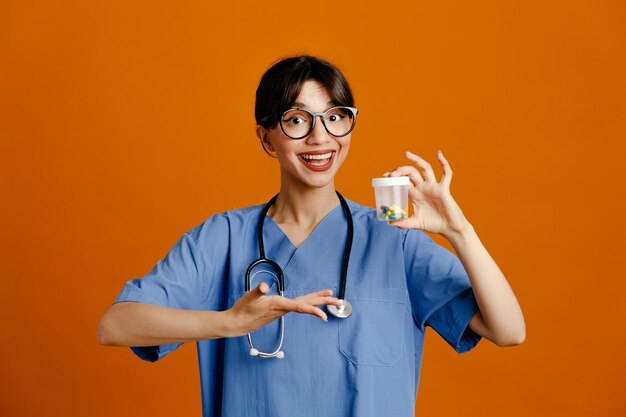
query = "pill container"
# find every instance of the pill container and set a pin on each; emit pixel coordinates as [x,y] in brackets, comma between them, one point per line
[392,198]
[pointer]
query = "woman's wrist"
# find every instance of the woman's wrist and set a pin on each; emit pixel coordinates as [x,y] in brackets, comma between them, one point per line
[222,324]
[457,237]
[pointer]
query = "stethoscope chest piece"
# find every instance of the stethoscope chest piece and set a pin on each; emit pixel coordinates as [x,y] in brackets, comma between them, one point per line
[342,311]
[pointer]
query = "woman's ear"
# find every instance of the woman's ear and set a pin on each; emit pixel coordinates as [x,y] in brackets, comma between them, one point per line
[263,135]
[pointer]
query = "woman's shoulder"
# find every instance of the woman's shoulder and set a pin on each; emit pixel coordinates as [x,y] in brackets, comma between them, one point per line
[226,223]
[359,208]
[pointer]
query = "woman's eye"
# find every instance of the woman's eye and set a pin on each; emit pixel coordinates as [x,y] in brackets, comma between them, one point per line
[334,117]
[295,120]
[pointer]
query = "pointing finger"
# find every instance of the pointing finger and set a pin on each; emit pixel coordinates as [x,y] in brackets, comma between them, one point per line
[287,304]
[408,171]
[322,293]
[427,170]
[447,171]
[318,301]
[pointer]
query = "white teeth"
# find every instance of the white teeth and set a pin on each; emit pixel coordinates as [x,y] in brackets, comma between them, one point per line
[323,156]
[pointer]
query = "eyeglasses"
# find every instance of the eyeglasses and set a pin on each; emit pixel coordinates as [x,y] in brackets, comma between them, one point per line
[299,123]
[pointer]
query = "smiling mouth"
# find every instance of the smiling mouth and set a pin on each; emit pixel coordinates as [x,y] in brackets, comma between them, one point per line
[317,160]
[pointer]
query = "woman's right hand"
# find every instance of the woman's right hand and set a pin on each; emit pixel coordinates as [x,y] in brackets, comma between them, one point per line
[255,309]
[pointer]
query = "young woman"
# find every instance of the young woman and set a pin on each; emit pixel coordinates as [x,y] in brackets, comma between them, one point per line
[382,284]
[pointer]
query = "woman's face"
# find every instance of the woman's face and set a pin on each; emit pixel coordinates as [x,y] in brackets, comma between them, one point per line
[314,160]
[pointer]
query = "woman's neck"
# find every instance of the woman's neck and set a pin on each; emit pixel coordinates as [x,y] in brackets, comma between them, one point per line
[303,206]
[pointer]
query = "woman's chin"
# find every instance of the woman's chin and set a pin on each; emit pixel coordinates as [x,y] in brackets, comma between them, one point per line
[318,181]
[311,180]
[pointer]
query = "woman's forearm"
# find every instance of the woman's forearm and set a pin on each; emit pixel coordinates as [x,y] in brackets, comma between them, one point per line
[139,324]
[500,319]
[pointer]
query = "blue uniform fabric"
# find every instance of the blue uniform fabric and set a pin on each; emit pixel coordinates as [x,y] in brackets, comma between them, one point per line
[398,282]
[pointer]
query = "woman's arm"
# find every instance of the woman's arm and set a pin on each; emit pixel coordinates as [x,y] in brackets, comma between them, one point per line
[500,318]
[140,324]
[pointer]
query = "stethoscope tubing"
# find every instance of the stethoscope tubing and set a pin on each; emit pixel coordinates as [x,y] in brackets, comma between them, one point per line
[348,248]
[345,310]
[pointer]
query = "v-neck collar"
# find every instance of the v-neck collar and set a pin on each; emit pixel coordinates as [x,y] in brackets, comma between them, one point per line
[271,220]
[283,249]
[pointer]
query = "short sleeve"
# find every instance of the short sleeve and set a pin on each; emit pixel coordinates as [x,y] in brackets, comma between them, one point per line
[440,291]
[174,282]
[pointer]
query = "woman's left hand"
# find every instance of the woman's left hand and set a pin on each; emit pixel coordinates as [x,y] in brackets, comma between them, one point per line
[434,209]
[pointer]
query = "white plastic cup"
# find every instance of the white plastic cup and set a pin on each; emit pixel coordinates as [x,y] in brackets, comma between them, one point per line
[392,198]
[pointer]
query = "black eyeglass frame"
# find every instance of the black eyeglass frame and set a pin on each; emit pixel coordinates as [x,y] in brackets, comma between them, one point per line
[314,116]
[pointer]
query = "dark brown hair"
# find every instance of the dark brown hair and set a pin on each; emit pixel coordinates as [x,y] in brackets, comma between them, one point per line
[281,84]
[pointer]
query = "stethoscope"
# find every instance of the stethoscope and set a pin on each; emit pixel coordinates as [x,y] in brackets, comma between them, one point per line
[342,311]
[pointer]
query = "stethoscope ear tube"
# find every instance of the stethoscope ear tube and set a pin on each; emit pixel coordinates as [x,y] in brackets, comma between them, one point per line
[279,278]
[277,353]
[279,273]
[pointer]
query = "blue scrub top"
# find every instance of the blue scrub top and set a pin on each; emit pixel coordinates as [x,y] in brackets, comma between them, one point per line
[368,364]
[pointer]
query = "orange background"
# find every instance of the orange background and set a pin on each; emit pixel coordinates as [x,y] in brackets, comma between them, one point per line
[125,124]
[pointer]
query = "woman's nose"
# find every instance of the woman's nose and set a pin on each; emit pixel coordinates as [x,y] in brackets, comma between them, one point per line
[319,134]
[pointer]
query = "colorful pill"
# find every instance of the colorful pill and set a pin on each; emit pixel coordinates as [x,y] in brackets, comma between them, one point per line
[392,212]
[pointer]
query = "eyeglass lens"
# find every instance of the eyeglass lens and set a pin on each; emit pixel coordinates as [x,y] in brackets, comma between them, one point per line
[298,123]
